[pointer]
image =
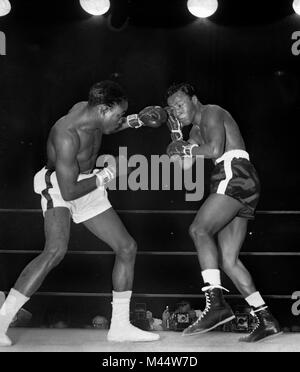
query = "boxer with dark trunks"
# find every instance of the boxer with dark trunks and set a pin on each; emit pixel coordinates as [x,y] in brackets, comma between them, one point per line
[224,215]
[71,187]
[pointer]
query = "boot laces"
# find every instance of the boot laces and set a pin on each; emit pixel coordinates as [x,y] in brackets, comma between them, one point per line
[207,298]
[253,313]
[210,287]
[207,307]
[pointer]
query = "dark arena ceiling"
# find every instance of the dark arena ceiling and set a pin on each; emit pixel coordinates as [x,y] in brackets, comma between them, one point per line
[154,13]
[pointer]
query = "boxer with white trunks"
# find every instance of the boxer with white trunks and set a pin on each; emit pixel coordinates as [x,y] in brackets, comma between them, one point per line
[71,188]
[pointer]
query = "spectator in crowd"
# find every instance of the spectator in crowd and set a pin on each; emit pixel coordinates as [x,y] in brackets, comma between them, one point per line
[155,324]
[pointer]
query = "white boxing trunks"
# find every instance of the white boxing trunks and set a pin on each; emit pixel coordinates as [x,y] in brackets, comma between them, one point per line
[82,209]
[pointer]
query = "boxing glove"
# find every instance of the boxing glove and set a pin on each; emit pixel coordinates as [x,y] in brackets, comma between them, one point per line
[106,175]
[174,125]
[180,148]
[151,116]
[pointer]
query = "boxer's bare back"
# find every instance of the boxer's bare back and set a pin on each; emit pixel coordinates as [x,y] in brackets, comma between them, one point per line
[74,143]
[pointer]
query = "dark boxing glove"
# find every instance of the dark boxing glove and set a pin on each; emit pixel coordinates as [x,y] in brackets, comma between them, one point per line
[180,148]
[174,125]
[151,116]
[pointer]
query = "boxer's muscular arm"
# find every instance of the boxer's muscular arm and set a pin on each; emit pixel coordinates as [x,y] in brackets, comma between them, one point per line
[214,139]
[67,169]
[214,136]
[122,126]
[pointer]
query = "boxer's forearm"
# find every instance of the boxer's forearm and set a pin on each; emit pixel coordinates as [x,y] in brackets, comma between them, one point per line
[122,127]
[185,163]
[208,151]
[79,189]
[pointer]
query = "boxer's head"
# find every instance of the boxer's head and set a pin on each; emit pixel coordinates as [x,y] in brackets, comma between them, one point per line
[110,101]
[183,99]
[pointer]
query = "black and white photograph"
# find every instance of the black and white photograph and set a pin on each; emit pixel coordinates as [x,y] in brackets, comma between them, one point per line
[149,179]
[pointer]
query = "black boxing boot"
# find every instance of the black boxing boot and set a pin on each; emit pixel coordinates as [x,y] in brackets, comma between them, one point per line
[266,326]
[216,312]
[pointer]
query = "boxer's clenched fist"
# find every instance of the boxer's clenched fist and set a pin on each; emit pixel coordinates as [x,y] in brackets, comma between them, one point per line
[180,148]
[174,125]
[151,116]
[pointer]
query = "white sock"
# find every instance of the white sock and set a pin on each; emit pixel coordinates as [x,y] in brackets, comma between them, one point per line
[121,329]
[121,305]
[211,276]
[121,295]
[13,303]
[255,300]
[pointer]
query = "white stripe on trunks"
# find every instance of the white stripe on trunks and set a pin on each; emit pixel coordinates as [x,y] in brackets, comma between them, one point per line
[228,173]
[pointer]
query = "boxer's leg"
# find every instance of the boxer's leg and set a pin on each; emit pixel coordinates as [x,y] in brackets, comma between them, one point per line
[57,230]
[108,227]
[231,239]
[216,212]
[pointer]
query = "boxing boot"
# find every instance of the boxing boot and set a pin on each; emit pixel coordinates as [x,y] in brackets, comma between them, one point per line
[121,330]
[266,326]
[216,312]
[4,340]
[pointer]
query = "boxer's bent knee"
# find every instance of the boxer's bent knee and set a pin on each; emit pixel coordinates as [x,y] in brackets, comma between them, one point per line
[228,263]
[127,250]
[198,231]
[54,253]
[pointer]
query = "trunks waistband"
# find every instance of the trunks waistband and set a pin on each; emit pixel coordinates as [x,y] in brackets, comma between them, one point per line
[92,171]
[229,155]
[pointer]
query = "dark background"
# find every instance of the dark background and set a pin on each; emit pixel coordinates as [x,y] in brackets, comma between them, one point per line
[240,58]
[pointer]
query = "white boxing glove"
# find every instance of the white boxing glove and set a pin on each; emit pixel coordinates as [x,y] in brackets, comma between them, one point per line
[105,175]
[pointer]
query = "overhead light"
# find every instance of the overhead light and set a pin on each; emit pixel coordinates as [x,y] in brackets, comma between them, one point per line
[95,7]
[5,7]
[296,6]
[202,8]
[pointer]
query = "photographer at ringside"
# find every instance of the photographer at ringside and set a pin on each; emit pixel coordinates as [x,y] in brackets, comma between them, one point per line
[181,318]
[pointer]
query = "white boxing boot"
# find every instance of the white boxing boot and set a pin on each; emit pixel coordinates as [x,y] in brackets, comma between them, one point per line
[121,330]
[4,340]
[13,303]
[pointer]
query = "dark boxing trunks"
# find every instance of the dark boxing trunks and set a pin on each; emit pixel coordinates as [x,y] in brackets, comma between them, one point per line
[235,176]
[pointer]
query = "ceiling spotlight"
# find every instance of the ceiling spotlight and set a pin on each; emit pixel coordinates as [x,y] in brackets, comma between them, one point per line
[95,7]
[202,8]
[5,7]
[296,6]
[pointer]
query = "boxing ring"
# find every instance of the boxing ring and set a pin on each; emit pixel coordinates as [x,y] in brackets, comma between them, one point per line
[78,340]
[166,271]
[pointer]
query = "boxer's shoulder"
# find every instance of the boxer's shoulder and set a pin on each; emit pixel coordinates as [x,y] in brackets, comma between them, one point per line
[212,114]
[78,106]
[65,137]
[212,110]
